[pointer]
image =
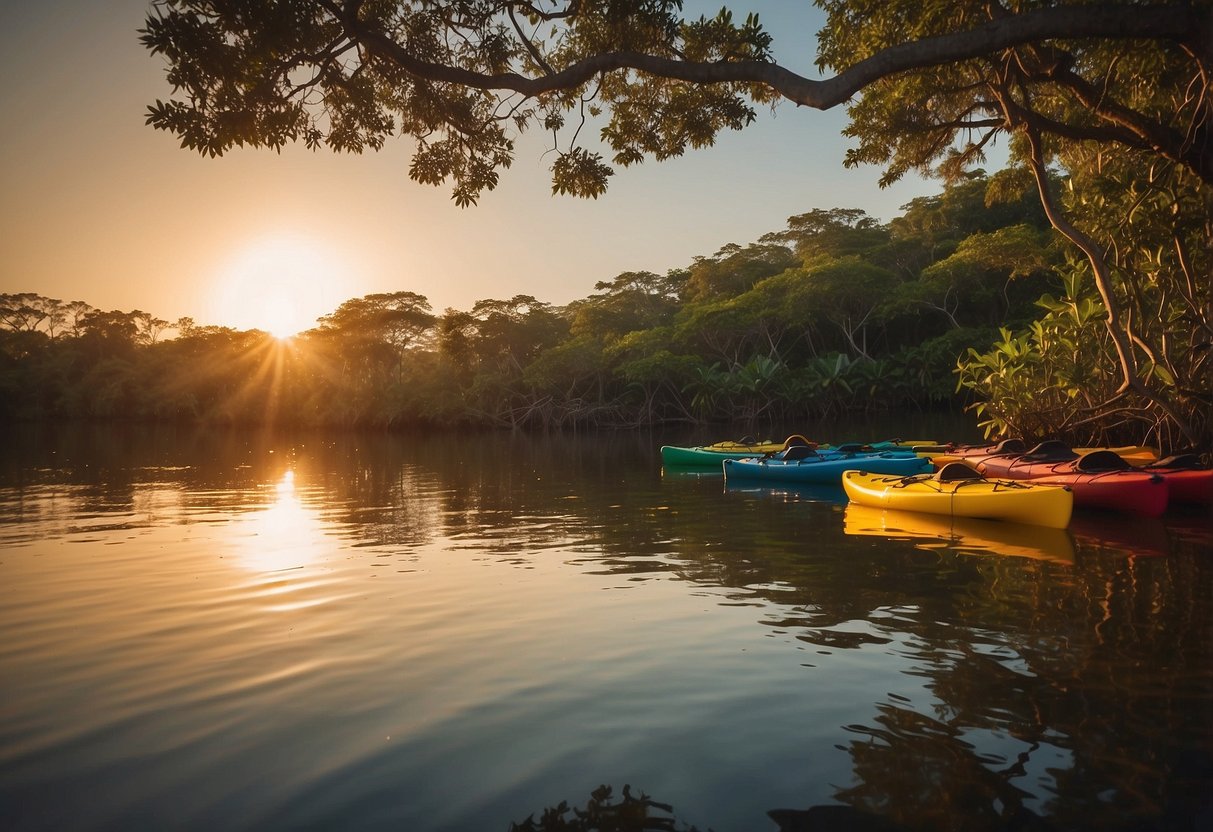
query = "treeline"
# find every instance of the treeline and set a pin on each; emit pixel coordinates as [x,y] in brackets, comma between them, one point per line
[835,314]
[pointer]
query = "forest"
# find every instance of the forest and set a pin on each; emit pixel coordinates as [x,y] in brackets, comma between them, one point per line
[835,314]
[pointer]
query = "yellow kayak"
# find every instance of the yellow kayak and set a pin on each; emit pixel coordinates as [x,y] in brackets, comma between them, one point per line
[760,446]
[961,534]
[959,491]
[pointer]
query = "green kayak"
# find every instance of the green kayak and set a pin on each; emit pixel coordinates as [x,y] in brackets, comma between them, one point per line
[710,456]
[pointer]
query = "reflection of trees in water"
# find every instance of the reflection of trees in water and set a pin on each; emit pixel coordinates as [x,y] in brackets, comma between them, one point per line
[631,813]
[921,772]
[603,812]
[1097,678]
[927,773]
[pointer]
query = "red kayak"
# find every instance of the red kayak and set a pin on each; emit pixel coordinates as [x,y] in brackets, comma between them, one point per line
[1188,480]
[1006,446]
[1099,479]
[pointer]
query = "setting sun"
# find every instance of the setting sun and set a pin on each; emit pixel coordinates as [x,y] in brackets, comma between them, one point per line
[280,284]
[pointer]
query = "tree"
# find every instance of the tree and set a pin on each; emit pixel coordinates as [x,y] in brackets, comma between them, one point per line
[463,78]
[831,233]
[734,270]
[510,333]
[978,275]
[149,326]
[378,330]
[110,334]
[632,301]
[1102,116]
[29,312]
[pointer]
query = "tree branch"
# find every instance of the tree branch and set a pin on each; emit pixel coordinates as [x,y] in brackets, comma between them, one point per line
[1168,143]
[1179,23]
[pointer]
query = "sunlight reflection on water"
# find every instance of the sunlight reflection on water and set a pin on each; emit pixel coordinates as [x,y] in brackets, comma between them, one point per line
[282,535]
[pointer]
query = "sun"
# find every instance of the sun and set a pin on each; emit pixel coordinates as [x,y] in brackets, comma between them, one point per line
[280,283]
[283,319]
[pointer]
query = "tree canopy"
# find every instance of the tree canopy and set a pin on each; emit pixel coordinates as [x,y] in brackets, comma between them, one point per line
[463,78]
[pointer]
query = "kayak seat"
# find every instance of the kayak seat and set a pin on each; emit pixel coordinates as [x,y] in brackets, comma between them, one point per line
[797,452]
[852,448]
[1179,462]
[1011,446]
[796,440]
[747,440]
[1102,461]
[1051,450]
[956,471]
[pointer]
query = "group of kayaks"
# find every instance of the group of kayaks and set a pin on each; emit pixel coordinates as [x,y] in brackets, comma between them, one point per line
[1006,481]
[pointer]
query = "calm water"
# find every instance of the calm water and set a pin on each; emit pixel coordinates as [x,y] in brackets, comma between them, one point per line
[233,630]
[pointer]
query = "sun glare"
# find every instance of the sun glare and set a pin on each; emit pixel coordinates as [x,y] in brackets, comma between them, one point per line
[280,284]
[283,535]
[283,319]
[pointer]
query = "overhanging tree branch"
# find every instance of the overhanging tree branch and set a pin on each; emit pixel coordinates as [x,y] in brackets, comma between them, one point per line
[1179,23]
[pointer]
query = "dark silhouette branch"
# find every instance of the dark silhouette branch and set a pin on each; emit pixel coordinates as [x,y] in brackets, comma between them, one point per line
[1179,23]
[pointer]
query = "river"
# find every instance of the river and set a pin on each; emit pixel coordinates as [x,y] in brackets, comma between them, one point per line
[227,629]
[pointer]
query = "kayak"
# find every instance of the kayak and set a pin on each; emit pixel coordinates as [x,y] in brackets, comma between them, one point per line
[965,535]
[954,452]
[1100,479]
[959,491]
[713,455]
[943,454]
[825,466]
[762,446]
[1188,480]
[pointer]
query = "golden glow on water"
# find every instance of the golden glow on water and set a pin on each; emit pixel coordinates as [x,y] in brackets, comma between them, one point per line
[968,535]
[283,535]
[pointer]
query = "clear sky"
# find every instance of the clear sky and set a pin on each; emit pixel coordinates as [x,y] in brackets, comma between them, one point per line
[100,208]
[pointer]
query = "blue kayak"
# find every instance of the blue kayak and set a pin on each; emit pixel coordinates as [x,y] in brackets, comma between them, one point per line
[805,465]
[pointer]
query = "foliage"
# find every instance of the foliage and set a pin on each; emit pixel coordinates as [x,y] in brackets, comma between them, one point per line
[346,76]
[1115,138]
[465,79]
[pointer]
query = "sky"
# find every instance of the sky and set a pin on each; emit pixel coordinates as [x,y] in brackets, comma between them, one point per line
[98,207]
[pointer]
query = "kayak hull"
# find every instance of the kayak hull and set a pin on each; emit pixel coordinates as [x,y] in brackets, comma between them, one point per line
[1187,485]
[985,499]
[1129,491]
[1139,492]
[706,457]
[825,469]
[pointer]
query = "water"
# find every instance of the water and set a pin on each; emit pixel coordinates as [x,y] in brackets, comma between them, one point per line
[235,630]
